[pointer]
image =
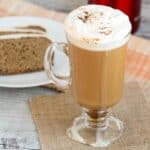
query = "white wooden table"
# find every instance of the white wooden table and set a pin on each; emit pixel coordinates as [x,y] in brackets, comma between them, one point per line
[16,125]
[17,130]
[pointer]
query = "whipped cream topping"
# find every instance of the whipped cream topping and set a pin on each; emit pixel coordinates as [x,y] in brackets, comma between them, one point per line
[97,27]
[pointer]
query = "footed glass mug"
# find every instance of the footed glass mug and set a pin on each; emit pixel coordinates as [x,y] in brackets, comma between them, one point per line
[95,65]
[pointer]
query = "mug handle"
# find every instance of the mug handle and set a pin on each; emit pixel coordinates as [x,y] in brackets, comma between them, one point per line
[57,65]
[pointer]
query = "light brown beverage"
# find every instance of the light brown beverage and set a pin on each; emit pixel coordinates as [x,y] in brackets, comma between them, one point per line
[97,76]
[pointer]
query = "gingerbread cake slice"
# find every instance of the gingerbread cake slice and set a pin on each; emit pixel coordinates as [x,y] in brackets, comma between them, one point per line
[22,50]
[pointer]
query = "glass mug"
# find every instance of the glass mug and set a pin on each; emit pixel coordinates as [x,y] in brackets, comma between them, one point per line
[96,82]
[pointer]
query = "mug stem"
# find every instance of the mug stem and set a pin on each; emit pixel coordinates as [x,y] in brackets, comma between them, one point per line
[95,128]
[95,118]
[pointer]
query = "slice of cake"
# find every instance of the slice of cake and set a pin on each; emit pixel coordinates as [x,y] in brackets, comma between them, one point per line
[22,49]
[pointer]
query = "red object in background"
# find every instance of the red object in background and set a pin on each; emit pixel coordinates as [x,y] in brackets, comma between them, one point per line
[131,7]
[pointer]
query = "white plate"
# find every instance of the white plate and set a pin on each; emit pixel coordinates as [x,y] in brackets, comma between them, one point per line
[55,32]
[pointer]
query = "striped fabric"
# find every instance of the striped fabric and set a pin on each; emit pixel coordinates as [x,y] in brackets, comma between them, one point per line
[138,56]
[138,64]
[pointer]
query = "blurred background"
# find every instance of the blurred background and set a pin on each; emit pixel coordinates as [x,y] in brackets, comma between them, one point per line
[67,5]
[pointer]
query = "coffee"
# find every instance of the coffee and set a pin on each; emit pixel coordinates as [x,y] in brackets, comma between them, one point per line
[97,77]
[98,37]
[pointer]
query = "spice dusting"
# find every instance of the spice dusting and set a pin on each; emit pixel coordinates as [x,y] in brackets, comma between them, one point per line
[86,16]
[90,17]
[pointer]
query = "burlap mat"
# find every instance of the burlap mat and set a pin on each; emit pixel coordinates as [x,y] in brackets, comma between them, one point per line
[54,114]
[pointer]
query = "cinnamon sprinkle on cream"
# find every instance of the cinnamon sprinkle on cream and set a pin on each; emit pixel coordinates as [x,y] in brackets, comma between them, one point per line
[86,16]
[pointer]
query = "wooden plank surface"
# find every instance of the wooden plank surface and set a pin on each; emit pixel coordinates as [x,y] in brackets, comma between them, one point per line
[17,129]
